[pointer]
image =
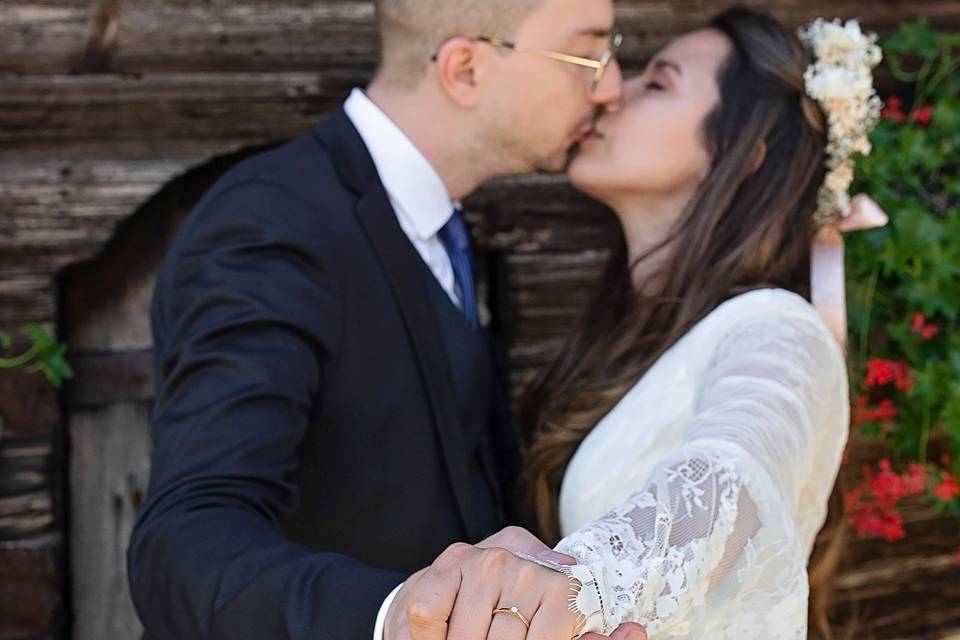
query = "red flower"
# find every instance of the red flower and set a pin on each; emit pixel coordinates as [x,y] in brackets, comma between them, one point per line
[894,110]
[915,482]
[958,555]
[884,411]
[862,412]
[901,376]
[871,507]
[882,372]
[923,115]
[947,489]
[887,525]
[921,328]
[879,372]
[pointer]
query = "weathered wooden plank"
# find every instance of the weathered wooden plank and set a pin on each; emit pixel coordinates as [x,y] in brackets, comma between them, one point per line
[160,111]
[70,201]
[111,377]
[537,213]
[26,504]
[61,210]
[150,36]
[543,294]
[109,431]
[29,593]
[28,404]
[109,471]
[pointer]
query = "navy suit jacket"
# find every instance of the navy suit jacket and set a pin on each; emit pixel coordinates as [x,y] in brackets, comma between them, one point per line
[309,452]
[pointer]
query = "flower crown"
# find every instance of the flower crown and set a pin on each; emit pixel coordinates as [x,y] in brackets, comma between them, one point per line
[841,82]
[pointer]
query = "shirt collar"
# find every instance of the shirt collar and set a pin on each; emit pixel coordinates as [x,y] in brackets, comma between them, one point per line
[410,180]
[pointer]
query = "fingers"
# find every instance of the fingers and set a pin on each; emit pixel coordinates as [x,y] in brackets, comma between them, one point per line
[555,556]
[476,600]
[507,626]
[430,601]
[553,619]
[396,626]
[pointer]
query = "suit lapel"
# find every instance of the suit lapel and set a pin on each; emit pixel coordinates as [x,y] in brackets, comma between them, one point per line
[399,262]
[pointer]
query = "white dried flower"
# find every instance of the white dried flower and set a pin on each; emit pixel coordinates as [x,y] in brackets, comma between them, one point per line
[841,81]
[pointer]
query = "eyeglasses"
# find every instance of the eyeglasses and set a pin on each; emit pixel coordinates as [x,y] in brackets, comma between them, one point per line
[599,66]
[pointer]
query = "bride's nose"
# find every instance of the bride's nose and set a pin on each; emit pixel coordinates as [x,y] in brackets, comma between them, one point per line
[609,93]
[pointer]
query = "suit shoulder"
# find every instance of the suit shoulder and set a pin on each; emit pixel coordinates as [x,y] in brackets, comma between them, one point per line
[301,167]
[294,186]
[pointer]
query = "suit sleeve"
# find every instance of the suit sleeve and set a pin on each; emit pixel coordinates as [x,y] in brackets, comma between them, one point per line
[246,318]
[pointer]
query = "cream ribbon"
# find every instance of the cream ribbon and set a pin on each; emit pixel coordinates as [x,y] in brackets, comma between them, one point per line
[827,279]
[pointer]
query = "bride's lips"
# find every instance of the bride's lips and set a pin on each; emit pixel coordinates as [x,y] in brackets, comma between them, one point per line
[591,134]
[587,133]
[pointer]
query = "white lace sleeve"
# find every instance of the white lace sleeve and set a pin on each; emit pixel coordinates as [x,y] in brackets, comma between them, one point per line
[710,543]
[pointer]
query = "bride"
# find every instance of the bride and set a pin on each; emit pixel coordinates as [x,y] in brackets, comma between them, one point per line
[683,445]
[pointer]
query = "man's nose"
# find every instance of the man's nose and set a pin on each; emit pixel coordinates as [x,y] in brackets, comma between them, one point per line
[609,93]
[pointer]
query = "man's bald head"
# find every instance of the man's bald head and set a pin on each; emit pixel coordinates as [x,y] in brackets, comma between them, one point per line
[411,31]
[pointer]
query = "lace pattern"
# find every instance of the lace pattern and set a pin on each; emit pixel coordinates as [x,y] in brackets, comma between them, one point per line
[711,544]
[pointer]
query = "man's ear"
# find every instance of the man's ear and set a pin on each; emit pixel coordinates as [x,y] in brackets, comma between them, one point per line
[759,155]
[456,63]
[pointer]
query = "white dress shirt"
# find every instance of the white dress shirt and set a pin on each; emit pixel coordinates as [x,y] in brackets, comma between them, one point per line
[420,200]
[417,194]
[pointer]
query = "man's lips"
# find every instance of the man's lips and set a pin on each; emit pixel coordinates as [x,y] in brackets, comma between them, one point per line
[588,132]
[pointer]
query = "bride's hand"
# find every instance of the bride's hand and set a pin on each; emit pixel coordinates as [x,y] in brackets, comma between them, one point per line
[519,540]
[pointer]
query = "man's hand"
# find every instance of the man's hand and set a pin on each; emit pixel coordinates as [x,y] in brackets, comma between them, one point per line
[456,595]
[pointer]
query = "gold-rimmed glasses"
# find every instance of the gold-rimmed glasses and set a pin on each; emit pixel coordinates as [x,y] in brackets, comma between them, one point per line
[599,66]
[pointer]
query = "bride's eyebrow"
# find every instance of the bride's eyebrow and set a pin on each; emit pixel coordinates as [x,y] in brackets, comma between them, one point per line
[660,63]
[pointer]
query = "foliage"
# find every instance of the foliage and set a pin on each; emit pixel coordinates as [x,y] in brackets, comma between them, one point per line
[45,355]
[904,286]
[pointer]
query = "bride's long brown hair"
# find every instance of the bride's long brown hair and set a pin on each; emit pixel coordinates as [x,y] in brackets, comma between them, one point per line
[741,231]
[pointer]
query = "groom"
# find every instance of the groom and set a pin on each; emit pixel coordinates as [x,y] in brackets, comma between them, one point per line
[327,420]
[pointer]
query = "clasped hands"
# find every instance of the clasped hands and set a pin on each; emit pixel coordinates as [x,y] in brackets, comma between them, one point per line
[455,597]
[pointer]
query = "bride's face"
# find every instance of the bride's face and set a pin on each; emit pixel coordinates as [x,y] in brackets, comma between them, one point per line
[654,144]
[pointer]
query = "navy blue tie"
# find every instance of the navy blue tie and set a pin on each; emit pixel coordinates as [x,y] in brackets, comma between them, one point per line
[456,240]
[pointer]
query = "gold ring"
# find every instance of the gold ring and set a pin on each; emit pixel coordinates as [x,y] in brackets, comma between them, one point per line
[514,612]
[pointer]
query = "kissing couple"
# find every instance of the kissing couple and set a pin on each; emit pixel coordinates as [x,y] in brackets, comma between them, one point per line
[334,455]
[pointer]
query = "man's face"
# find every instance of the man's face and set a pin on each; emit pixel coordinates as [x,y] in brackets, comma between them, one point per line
[538,107]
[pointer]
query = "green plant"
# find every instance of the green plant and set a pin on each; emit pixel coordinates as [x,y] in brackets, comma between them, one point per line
[904,286]
[44,354]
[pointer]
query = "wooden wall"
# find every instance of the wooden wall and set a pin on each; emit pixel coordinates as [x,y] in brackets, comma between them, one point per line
[116,114]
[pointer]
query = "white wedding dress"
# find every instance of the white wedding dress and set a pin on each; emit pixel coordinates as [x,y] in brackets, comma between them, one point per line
[692,507]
